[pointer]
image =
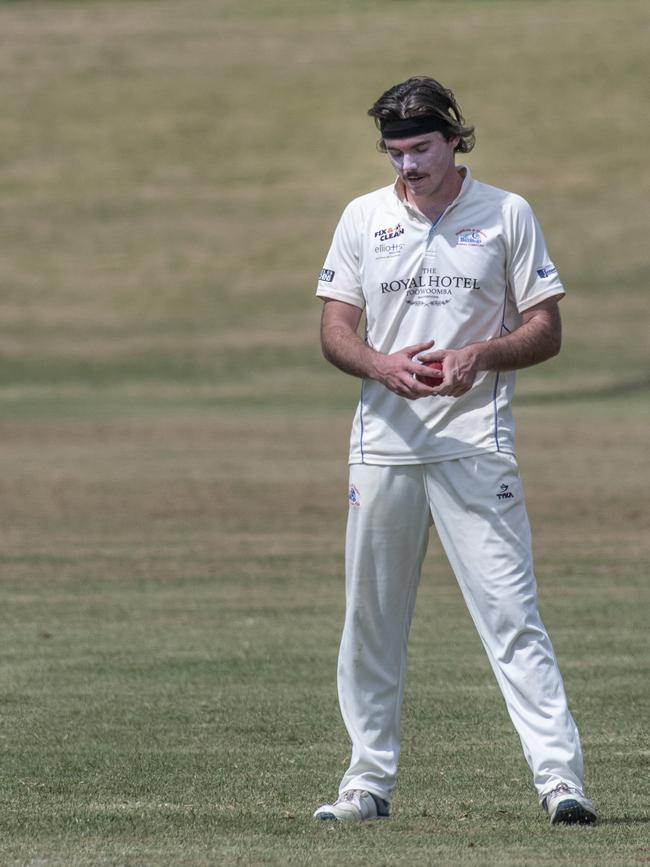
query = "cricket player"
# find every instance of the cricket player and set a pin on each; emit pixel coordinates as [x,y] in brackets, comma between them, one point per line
[447,270]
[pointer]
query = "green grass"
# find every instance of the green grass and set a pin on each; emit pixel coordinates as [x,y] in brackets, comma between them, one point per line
[172,471]
[172,604]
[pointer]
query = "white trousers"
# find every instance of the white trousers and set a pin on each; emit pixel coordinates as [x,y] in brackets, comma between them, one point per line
[479,513]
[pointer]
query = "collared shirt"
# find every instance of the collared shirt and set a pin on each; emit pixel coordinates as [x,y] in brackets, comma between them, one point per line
[465,278]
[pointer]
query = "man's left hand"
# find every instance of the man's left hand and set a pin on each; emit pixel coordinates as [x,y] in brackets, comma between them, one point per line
[459,367]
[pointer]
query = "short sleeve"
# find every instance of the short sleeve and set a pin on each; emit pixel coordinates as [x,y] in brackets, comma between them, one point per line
[340,276]
[532,276]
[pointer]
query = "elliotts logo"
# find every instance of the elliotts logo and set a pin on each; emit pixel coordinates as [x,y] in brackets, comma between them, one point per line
[392,232]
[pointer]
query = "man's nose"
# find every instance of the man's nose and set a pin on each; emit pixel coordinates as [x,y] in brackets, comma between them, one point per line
[408,162]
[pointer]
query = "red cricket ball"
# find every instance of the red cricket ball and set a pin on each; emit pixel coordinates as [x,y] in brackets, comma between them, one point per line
[431,381]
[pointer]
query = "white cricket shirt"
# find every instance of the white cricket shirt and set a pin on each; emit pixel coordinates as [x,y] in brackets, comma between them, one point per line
[464,279]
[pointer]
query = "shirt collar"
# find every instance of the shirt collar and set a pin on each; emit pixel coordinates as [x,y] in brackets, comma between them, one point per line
[398,189]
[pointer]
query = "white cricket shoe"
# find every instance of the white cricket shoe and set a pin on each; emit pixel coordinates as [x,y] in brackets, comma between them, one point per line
[355,805]
[567,805]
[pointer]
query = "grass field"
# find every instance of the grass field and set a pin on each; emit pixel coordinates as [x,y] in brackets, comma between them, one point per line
[172,470]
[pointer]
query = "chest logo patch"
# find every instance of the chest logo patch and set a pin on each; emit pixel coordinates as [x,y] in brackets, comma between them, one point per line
[392,232]
[470,237]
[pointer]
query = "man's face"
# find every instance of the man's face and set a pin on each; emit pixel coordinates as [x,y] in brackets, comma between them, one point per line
[422,162]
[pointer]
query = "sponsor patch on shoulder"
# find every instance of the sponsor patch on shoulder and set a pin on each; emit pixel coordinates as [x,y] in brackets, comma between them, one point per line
[547,271]
[470,237]
[326,275]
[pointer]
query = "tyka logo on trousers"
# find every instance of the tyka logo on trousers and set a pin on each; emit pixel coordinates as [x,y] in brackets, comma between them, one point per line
[505,493]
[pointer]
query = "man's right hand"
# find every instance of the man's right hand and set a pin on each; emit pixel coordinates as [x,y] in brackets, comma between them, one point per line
[397,371]
[343,347]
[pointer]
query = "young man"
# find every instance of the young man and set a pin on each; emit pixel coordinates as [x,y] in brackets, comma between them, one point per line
[451,270]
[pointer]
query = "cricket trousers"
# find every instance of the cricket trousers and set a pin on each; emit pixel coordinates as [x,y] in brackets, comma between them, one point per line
[477,506]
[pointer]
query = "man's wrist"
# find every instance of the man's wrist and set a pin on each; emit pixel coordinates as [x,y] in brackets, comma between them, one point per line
[374,365]
[478,355]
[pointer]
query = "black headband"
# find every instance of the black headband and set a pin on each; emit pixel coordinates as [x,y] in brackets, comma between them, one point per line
[412,126]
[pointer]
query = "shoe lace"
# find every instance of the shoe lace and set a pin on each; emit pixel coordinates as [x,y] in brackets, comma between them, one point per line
[352,794]
[562,789]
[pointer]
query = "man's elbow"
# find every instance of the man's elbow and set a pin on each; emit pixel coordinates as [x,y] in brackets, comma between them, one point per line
[329,345]
[327,354]
[553,333]
[325,343]
[555,344]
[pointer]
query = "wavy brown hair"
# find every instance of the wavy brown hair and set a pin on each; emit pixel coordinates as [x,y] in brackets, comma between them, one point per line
[422,96]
